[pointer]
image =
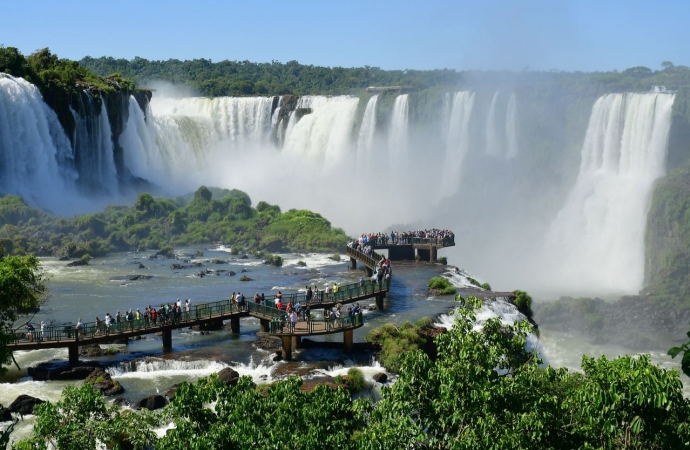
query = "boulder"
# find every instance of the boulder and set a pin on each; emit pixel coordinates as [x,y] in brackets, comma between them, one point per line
[24,404]
[231,273]
[78,262]
[101,381]
[171,392]
[152,402]
[229,376]
[218,261]
[274,246]
[245,278]
[64,258]
[141,266]
[5,414]
[380,377]
[48,371]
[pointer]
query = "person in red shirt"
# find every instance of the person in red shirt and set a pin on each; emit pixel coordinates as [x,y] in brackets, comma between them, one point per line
[279,305]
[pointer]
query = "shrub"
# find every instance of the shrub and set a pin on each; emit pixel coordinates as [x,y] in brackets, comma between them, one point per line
[199,254]
[442,285]
[301,264]
[274,260]
[443,260]
[335,257]
[486,286]
[166,252]
[523,302]
[86,257]
[355,380]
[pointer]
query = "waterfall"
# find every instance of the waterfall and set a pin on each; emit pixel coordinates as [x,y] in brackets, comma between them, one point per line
[458,140]
[93,148]
[324,133]
[511,128]
[397,136]
[596,240]
[366,131]
[36,160]
[492,146]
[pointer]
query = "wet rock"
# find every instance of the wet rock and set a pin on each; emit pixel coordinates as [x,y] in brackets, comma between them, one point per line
[5,414]
[268,343]
[178,266]
[141,266]
[380,377]
[229,376]
[78,262]
[244,256]
[134,277]
[63,258]
[52,371]
[243,271]
[171,392]
[123,401]
[245,278]
[102,381]
[218,261]
[24,404]
[231,273]
[311,384]
[152,402]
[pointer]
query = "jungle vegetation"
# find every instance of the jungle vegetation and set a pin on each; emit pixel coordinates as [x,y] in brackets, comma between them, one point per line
[483,390]
[161,223]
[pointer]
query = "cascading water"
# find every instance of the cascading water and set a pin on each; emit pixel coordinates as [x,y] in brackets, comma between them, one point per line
[492,145]
[458,141]
[93,149]
[398,138]
[596,240]
[511,128]
[36,159]
[325,132]
[367,130]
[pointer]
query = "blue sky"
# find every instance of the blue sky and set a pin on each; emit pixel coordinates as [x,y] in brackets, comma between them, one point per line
[571,35]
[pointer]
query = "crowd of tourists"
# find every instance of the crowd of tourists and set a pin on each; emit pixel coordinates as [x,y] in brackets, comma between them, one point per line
[441,237]
[167,313]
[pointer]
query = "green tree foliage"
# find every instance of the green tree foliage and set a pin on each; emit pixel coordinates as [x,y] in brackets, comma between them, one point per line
[484,390]
[63,82]
[155,223]
[442,285]
[84,418]
[394,341]
[22,283]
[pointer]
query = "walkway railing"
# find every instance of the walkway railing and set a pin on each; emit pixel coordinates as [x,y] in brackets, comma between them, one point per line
[316,321]
[439,242]
[370,261]
[201,311]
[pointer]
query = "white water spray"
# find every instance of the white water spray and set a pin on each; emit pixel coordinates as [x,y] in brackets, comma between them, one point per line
[596,241]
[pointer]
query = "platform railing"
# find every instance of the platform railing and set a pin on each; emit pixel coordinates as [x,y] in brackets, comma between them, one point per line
[203,311]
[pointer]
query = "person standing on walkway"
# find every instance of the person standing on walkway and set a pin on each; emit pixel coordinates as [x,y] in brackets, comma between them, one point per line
[293,320]
[78,329]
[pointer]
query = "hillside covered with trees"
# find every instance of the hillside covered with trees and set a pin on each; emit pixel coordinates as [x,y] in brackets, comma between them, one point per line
[155,223]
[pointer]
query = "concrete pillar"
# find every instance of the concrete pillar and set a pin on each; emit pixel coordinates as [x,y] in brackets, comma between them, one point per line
[347,340]
[370,272]
[424,254]
[73,351]
[434,254]
[296,341]
[235,324]
[287,347]
[167,338]
[379,301]
[264,325]
[353,263]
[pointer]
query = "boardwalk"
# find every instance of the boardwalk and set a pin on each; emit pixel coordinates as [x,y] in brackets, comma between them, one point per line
[67,336]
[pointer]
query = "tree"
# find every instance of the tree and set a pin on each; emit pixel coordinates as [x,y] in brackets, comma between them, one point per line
[22,283]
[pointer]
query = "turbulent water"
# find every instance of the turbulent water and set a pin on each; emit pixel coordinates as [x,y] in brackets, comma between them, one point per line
[597,237]
[466,166]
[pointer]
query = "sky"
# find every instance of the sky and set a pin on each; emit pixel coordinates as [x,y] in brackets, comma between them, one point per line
[576,35]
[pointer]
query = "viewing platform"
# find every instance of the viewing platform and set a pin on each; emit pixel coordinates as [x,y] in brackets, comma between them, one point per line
[216,313]
[402,249]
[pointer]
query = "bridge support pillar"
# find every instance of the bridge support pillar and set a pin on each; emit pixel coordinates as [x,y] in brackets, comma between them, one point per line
[370,272]
[264,325]
[424,254]
[73,351]
[434,254]
[235,324]
[353,263]
[379,301]
[347,341]
[287,347]
[167,339]
[296,341]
